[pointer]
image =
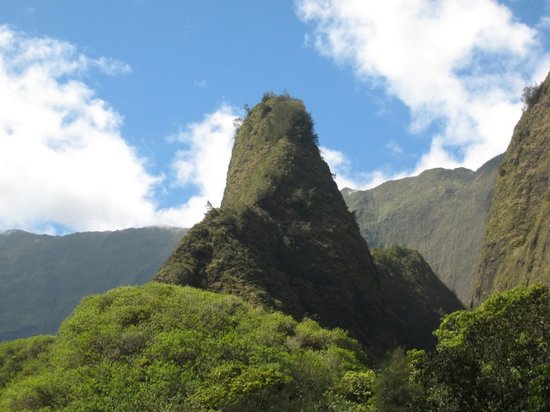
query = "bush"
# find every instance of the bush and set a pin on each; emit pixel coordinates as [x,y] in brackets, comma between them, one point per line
[531,95]
[491,358]
[395,390]
[23,357]
[164,347]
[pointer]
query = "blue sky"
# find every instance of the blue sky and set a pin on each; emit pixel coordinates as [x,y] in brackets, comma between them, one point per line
[120,114]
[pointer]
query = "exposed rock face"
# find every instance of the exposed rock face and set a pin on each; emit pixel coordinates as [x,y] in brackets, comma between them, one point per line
[283,236]
[441,213]
[516,249]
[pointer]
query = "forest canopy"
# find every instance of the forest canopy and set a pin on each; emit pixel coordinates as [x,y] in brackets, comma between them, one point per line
[165,347]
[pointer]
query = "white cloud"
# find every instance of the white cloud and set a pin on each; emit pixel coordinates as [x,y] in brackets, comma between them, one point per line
[203,163]
[463,63]
[394,148]
[200,84]
[63,159]
[339,165]
[110,66]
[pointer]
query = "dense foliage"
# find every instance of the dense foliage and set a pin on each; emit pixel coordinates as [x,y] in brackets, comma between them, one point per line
[493,358]
[161,347]
[23,357]
[42,278]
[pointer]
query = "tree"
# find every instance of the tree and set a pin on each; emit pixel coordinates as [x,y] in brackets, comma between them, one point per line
[395,391]
[163,347]
[531,95]
[490,358]
[539,393]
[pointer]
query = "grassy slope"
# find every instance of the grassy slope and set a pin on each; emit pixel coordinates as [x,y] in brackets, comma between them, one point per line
[516,248]
[441,213]
[42,278]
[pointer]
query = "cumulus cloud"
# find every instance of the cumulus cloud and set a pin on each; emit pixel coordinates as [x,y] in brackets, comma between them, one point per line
[63,159]
[203,163]
[340,166]
[460,63]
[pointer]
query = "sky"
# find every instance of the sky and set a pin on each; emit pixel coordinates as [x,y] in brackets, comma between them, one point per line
[121,114]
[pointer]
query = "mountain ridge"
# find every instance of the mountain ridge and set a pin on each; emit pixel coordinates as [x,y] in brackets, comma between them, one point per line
[442,213]
[42,277]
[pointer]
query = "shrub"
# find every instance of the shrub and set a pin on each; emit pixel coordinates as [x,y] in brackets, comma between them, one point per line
[491,358]
[164,347]
[531,95]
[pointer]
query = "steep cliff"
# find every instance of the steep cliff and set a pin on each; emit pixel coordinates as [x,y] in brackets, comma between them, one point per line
[516,248]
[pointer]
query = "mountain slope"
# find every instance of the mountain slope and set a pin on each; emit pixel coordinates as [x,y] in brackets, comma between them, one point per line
[516,249]
[42,277]
[441,213]
[415,299]
[283,236]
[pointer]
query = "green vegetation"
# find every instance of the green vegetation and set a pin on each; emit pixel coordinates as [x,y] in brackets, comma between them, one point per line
[283,237]
[441,213]
[495,357]
[284,240]
[492,358]
[274,134]
[517,243]
[23,357]
[415,298]
[531,95]
[162,347]
[395,388]
[42,278]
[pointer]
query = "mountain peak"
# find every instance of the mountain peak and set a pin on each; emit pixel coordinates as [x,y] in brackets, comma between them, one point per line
[274,139]
[283,236]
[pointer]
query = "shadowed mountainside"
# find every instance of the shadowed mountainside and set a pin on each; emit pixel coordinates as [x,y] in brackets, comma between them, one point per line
[42,277]
[414,297]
